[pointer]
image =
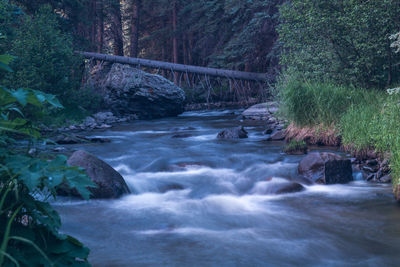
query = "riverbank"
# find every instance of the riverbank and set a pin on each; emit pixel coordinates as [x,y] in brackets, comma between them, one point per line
[363,123]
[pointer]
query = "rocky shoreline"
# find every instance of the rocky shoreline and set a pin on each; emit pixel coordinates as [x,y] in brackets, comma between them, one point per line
[372,166]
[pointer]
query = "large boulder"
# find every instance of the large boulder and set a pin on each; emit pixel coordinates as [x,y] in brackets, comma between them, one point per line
[127,90]
[326,168]
[262,111]
[110,184]
[233,133]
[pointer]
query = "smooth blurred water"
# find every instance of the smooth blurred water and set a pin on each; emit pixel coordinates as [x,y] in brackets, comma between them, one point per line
[222,217]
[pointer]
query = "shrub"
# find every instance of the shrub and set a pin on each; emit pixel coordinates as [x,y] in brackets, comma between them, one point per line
[29,226]
[45,57]
[45,61]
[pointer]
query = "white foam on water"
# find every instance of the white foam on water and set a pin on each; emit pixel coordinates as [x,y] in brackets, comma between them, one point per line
[196,231]
[188,171]
[123,168]
[133,133]
[120,158]
[193,176]
[178,203]
[205,113]
[352,190]
[108,136]
[205,137]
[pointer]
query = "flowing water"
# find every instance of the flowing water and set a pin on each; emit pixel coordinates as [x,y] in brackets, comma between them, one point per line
[217,215]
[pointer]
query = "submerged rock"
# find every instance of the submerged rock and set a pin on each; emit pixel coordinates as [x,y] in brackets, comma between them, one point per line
[68,139]
[277,186]
[326,168]
[110,184]
[183,135]
[233,133]
[127,90]
[170,187]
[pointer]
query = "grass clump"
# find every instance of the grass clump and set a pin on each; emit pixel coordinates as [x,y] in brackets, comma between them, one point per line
[296,147]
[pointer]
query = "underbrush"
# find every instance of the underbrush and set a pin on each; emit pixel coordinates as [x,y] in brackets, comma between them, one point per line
[364,119]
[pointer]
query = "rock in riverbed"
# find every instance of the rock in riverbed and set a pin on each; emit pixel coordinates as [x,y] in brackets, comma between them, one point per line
[110,184]
[70,139]
[263,111]
[326,168]
[127,90]
[233,133]
[277,136]
[276,186]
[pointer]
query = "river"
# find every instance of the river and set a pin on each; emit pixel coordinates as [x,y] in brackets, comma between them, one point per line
[219,217]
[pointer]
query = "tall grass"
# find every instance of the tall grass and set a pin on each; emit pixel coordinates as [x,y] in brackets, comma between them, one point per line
[314,103]
[365,119]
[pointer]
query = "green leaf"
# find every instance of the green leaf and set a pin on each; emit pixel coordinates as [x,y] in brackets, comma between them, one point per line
[5,67]
[20,95]
[6,59]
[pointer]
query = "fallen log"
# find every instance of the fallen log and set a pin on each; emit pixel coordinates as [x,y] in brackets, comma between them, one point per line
[231,74]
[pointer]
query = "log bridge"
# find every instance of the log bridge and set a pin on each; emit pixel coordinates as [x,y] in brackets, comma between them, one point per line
[173,67]
[243,86]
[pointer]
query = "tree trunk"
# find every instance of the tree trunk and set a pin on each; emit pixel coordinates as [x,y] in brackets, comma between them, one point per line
[175,36]
[100,26]
[185,50]
[190,52]
[134,49]
[240,75]
[390,67]
[92,14]
[116,28]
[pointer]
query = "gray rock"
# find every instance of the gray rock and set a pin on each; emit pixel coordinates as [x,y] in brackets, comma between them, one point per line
[110,184]
[277,136]
[32,151]
[59,149]
[103,126]
[326,168]
[368,169]
[269,130]
[68,140]
[89,121]
[261,111]
[97,139]
[183,135]
[127,90]
[105,117]
[233,133]
[386,179]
